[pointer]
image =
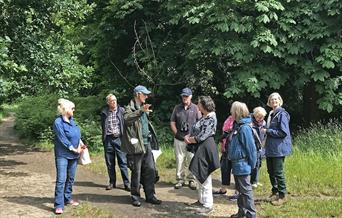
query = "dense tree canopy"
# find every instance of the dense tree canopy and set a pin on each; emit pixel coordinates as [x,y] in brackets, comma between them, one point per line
[232,50]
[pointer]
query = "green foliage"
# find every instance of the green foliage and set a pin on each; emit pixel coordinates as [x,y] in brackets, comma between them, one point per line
[323,139]
[35,116]
[41,48]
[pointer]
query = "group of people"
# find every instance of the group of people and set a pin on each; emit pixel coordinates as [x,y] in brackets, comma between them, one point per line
[128,135]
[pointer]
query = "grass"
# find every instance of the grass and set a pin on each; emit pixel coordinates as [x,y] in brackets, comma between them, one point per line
[308,174]
[86,210]
[304,208]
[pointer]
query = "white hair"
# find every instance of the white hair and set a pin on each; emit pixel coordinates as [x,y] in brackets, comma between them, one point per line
[109,96]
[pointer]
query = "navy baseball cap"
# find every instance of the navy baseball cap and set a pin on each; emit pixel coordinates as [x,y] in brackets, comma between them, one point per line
[142,89]
[186,92]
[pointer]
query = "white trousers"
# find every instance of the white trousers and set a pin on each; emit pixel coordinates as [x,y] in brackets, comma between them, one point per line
[183,158]
[205,192]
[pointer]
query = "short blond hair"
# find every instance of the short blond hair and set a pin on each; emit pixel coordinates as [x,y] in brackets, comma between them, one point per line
[239,110]
[274,94]
[259,110]
[64,106]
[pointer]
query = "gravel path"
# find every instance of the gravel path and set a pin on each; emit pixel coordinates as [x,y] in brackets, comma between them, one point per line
[27,179]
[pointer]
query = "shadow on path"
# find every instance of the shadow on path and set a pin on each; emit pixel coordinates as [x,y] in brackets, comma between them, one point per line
[39,202]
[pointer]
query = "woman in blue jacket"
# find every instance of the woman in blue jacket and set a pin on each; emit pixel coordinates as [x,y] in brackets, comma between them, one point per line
[278,146]
[242,153]
[68,146]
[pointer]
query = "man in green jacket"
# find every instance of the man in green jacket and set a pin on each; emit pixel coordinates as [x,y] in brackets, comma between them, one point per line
[138,141]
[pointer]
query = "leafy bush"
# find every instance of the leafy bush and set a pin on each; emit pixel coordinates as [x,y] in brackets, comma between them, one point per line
[35,116]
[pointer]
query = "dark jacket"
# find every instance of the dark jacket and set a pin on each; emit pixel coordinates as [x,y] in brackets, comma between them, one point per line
[104,114]
[205,161]
[133,131]
[278,141]
[242,149]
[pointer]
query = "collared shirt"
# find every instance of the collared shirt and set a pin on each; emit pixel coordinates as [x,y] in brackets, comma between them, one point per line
[113,124]
[67,136]
[187,117]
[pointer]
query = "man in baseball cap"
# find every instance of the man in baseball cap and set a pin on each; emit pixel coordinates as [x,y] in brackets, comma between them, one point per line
[183,117]
[139,139]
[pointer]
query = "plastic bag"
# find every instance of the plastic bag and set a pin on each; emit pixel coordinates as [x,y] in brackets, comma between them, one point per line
[84,157]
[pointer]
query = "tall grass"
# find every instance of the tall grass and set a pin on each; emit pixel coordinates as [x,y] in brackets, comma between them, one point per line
[325,140]
[313,175]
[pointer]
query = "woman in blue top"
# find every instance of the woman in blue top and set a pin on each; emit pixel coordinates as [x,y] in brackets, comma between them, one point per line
[242,153]
[68,146]
[278,146]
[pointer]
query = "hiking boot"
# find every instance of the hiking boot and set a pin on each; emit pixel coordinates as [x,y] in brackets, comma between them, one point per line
[279,201]
[154,200]
[192,185]
[179,185]
[273,197]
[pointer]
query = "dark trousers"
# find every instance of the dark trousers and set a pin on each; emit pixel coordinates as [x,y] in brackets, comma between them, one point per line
[112,148]
[143,172]
[226,168]
[256,170]
[245,199]
[275,169]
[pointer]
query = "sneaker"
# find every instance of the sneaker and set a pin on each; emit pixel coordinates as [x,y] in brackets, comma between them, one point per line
[254,185]
[110,186]
[73,203]
[58,211]
[259,184]
[192,185]
[233,197]
[204,210]
[179,185]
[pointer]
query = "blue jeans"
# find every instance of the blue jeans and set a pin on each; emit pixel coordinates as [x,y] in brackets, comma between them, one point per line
[112,147]
[66,170]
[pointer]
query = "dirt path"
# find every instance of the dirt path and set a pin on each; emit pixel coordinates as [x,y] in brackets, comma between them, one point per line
[27,179]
